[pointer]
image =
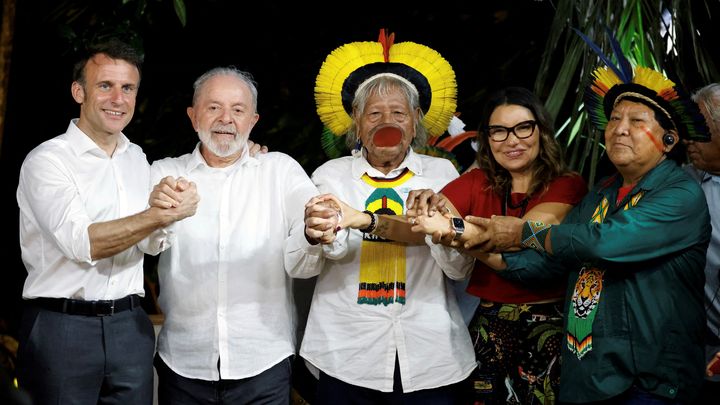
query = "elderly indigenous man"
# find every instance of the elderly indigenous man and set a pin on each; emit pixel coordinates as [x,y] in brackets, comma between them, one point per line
[384,324]
[633,250]
[705,168]
[84,225]
[229,328]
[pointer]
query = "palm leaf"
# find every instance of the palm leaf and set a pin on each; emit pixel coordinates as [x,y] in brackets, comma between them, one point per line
[642,35]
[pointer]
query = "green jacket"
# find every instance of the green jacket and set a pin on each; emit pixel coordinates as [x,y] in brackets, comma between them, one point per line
[637,314]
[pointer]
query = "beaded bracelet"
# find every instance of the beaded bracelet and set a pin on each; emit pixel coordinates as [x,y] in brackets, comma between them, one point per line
[534,234]
[373,222]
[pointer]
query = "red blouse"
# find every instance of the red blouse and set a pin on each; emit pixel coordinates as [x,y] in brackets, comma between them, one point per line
[471,194]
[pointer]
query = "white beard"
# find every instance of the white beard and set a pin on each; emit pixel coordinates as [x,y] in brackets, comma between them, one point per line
[223,148]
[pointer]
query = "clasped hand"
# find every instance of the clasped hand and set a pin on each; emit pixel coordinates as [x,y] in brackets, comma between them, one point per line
[499,233]
[428,212]
[431,212]
[178,196]
[323,218]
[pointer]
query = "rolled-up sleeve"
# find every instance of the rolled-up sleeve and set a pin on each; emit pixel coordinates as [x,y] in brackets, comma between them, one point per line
[54,202]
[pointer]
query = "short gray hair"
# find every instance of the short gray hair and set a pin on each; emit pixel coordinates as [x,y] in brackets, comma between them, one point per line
[227,71]
[709,96]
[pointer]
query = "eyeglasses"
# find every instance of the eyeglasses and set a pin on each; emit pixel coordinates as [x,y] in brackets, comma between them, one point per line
[522,130]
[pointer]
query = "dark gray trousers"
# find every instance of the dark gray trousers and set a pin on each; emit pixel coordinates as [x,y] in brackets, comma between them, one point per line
[75,359]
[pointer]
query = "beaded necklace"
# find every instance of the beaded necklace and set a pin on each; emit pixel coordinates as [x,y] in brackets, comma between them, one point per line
[508,203]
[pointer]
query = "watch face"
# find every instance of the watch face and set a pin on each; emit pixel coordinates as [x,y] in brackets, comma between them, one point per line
[458,224]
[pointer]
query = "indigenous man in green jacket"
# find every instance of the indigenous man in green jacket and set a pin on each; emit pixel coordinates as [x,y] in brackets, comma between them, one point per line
[633,249]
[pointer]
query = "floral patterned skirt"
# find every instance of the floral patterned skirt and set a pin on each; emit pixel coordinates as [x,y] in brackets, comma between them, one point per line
[517,347]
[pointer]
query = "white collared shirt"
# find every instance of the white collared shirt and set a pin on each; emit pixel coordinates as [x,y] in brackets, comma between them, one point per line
[66,184]
[224,285]
[356,343]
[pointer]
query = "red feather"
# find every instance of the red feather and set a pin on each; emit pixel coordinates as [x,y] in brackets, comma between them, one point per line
[451,142]
[387,41]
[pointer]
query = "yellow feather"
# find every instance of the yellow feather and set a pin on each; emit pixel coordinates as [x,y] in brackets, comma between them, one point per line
[343,61]
[655,81]
[334,71]
[441,77]
[605,79]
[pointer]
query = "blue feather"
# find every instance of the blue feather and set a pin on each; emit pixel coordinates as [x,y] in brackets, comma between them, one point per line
[623,62]
[602,56]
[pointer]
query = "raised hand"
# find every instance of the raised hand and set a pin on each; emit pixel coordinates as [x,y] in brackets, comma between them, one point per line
[323,216]
[189,199]
[178,196]
[165,194]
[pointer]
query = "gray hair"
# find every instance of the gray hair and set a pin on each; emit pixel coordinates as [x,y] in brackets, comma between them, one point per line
[709,96]
[227,71]
[383,85]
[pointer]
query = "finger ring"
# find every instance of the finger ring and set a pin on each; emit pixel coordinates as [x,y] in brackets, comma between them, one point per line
[412,221]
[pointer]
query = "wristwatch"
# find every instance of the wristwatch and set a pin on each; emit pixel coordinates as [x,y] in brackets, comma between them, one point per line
[458,225]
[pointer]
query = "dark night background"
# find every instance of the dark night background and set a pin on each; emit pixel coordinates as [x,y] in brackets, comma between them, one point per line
[489,44]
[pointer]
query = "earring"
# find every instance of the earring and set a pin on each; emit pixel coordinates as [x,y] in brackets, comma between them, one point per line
[668,139]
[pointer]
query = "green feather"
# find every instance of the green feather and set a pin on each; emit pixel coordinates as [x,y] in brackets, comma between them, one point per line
[334,146]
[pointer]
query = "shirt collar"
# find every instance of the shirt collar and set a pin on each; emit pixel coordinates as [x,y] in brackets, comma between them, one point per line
[360,165]
[81,143]
[706,176]
[649,181]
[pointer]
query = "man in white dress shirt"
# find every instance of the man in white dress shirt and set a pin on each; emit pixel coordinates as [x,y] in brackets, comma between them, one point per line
[84,227]
[229,330]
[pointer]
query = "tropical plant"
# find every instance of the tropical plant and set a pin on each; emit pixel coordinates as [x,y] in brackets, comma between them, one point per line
[81,22]
[667,35]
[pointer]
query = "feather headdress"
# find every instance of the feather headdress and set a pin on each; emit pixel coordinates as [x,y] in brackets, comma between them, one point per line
[612,83]
[346,68]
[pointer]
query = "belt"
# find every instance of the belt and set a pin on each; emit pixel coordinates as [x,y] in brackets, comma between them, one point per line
[87,308]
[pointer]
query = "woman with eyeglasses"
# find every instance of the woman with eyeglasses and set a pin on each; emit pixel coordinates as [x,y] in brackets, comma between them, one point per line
[521,172]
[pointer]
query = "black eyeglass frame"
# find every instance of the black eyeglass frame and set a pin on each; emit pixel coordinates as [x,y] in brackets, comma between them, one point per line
[532,123]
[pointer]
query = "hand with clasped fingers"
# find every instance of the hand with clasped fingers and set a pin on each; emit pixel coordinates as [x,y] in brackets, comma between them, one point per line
[326,214]
[438,226]
[425,202]
[323,216]
[431,213]
[178,197]
[495,234]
